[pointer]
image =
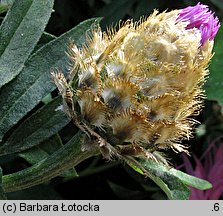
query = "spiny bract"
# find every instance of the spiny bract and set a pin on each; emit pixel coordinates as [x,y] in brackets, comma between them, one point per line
[136,89]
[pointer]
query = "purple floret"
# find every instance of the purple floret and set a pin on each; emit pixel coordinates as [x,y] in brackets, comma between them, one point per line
[201,18]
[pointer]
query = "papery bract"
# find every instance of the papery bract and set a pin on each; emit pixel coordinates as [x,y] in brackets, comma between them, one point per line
[136,89]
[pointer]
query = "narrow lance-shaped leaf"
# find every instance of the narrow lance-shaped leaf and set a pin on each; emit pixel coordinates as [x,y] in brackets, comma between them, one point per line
[40,126]
[191,180]
[65,158]
[7,2]
[43,151]
[173,182]
[19,33]
[45,38]
[171,185]
[34,82]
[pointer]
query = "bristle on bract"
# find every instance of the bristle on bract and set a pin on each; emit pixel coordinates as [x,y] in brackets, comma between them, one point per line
[140,85]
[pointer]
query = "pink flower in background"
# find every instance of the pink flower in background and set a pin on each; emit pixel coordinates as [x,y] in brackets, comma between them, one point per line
[208,167]
[201,18]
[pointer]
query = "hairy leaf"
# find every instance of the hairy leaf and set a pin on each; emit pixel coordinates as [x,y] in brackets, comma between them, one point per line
[7,2]
[171,185]
[40,126]
[173,182]
[191,180]
[45,38]
[43,151]
[19,33]
[34,155]
[34,82]
[65,158]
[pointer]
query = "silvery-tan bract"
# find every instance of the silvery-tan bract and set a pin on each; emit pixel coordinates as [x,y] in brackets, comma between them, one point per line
[135,91]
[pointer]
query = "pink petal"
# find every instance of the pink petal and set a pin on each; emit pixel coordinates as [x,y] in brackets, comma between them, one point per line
[201,18]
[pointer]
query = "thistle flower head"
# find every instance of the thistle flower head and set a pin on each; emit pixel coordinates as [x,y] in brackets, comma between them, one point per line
[136,89]
[201,18]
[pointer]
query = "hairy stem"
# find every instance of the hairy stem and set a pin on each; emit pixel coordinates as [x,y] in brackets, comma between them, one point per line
[65,158]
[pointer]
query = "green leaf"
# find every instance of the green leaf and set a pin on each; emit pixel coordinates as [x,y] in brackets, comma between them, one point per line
[174,188]
[47,99]
[34,82]
[214,84]
[43,151]
[44,123]
[137,169]
[173,182]
[45,38]
[69,174]
[5,5]
[33,155]
[3,8]
[64,158]
[7,2]
[2,195]
[191,180]
[19,33]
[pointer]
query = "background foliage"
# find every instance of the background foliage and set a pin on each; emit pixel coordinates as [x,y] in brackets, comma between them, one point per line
[33,133]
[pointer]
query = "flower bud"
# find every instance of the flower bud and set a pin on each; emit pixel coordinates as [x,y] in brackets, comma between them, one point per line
[141,84]
[201,18]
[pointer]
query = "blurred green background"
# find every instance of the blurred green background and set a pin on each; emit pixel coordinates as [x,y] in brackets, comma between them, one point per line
[69,13]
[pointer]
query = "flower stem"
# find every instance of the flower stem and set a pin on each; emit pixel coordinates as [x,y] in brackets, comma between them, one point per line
[65,158]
